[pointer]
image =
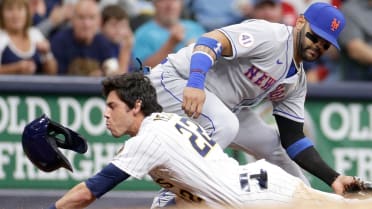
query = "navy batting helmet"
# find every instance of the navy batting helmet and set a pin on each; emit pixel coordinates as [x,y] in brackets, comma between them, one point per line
[41,139]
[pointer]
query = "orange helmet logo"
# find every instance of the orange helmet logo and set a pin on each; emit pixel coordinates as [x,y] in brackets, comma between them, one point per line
[335,24]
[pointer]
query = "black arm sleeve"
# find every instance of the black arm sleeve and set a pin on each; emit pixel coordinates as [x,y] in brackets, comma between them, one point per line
[309,159]
[290,131]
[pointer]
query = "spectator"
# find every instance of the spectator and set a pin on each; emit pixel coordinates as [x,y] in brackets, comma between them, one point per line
[39,10]
[23,48]
[270,10]
[222,13]
[301,5]
[356,40]
[115,26]
[81,49]
[165,33]
[51,15]
[132,7]
[139,11]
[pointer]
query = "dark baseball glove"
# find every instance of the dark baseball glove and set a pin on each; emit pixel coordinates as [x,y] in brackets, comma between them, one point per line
[359,188]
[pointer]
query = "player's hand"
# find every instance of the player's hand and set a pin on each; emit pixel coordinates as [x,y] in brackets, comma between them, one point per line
[359,188]
[193,101]
[341,183]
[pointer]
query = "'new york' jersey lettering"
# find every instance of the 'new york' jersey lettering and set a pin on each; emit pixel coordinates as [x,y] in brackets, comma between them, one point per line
[260,78]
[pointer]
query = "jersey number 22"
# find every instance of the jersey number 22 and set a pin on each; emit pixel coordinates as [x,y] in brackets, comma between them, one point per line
[198,138]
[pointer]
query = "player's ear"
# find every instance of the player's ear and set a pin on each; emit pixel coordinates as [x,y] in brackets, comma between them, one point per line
[137,106]
[300,22]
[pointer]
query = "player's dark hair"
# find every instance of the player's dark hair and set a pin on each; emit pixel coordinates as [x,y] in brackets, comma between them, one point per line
[132,87]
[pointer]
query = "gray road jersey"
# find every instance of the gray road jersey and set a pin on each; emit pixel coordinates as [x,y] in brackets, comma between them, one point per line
[262,55]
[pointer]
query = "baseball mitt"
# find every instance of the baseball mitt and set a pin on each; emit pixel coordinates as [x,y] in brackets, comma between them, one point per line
[359,187]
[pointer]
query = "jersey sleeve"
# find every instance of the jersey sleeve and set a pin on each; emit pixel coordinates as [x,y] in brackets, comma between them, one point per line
[260,40]
[293,106]
[139,155]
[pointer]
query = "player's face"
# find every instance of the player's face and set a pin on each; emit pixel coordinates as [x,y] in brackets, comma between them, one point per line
[119,117]
[312,46]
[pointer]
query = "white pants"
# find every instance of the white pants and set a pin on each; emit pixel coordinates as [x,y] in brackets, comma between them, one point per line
[263,184]
[282,188]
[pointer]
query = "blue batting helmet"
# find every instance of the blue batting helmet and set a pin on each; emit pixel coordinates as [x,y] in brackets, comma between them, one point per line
[41,139]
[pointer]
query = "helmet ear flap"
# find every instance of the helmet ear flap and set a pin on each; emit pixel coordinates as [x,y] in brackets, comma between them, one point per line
[41,142]
[60,159]
[72,140]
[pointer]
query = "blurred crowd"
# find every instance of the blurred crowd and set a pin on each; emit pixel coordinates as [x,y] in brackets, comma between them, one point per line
[104,37]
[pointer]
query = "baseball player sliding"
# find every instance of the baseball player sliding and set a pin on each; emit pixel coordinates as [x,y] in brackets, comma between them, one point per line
[217,80]
[176,152]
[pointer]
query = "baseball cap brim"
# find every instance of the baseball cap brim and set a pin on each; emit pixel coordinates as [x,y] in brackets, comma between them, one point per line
[324,35]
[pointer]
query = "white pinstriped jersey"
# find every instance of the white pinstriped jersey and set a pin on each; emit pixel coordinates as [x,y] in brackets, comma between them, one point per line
[258,65]
[179,156]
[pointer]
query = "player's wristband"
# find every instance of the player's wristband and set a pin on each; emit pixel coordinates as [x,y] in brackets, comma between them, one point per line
[199,66]
[211,43]
[53,206]
[294,149]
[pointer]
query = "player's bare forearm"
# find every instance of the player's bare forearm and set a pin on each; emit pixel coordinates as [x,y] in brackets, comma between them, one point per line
[78,197]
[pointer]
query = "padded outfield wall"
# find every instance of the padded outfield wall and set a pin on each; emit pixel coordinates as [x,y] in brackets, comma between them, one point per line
[339,120]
